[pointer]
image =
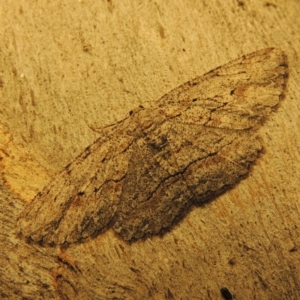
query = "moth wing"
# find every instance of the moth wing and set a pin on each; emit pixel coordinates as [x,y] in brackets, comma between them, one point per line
[238,94]
[176,165]
[212,160]
[154,193]
[82,199]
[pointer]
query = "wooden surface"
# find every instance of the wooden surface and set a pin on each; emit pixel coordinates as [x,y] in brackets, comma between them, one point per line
[69,67]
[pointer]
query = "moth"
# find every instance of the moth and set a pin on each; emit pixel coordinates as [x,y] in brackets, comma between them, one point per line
[144,173]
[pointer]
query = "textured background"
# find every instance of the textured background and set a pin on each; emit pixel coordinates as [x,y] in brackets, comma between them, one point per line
[69,67]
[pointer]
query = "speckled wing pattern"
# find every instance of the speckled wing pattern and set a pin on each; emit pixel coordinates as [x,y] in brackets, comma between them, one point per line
[144,173]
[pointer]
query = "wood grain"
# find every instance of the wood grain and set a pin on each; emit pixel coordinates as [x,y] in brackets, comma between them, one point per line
[67,67]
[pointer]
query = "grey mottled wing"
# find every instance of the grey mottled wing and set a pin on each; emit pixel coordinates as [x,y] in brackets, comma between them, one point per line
[82,199]
[208,137]
[239,93]
[178,165]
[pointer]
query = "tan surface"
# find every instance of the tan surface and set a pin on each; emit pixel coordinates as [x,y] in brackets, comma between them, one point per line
[69,66]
